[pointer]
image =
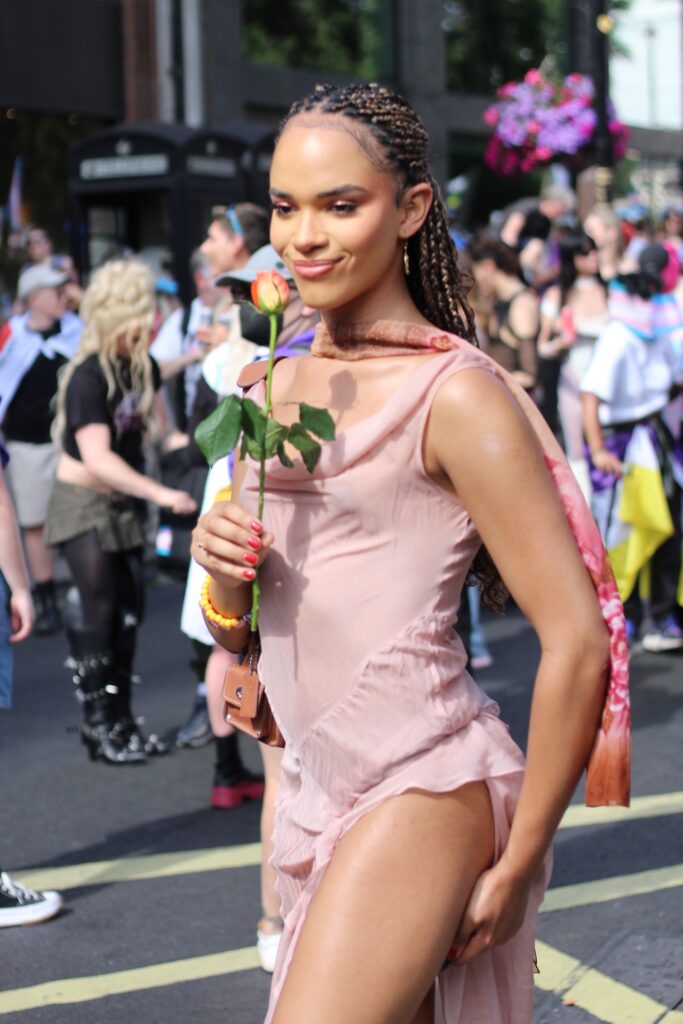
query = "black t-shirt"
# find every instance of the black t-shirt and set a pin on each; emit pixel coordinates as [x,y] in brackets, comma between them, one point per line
[87,402]
[30,413]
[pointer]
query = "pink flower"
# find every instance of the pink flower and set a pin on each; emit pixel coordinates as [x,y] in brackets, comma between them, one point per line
[491,116]
[543,153]
[533,77]
[533,127]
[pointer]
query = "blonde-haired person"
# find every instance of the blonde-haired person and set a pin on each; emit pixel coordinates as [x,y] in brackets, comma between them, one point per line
[105,406]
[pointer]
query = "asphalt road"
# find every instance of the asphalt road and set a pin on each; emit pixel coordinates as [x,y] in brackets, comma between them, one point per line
[162,893]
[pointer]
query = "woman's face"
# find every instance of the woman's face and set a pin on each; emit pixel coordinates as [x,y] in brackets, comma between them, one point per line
[587,263]
[336,222]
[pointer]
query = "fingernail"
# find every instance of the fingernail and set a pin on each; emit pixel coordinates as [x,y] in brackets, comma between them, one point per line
[250,559]
[256,526]
[249,574]
[254,543]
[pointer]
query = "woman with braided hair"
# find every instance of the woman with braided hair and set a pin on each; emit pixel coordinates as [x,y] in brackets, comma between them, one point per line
[104,410]
[399,862]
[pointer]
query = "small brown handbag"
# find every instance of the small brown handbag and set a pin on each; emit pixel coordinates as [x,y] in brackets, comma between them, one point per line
[246,704]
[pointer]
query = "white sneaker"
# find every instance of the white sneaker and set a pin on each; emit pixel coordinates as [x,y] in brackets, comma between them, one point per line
[267,944]
[21,905]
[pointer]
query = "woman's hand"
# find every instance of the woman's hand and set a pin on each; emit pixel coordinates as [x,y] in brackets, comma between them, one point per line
[21,614]
[230,544]
[494,914]
[606,462]
[180,502]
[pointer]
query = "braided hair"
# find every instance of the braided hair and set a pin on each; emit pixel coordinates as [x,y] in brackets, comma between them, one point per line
[395,140]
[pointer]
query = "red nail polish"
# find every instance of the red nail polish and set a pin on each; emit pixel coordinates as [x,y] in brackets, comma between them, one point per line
[256,526]
[254,543]
[249,574]
[250,559]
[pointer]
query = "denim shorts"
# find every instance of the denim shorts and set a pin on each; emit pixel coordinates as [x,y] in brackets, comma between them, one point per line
[6,652]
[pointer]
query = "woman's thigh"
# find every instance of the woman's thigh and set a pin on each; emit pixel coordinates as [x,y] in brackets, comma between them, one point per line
[387,910]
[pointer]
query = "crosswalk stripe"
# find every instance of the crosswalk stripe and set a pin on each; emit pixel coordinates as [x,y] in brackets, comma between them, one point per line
[641,807]
[82,990]
[165,865]
[579,985]
[601,890]
[133,869]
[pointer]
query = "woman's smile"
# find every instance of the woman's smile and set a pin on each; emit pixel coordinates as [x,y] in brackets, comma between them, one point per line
[314,268]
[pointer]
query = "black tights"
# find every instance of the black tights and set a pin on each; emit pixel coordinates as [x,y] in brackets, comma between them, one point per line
[110,584]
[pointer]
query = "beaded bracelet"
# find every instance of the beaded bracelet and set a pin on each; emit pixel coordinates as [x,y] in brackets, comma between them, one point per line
[214,617]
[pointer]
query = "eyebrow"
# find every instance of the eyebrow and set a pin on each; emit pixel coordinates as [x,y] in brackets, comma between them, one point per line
[339,191]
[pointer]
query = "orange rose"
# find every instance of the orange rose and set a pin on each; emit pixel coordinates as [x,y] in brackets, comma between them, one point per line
[270,292]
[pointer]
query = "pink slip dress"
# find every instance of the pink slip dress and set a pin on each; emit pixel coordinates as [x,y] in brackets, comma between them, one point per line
[364,671]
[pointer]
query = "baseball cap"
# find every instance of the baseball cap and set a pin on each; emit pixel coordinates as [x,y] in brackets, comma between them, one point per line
[660,263]
[41,275]
[263,259]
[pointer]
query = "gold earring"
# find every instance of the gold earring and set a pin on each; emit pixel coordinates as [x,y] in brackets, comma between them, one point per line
[406,259]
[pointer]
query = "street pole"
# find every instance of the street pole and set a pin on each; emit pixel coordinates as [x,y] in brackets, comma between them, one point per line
[602,25]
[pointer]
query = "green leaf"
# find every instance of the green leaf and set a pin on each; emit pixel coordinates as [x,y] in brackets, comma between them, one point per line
[275,435]
[251,447]
[318,421]
[253,420]
[218,434]
[303,442]
[284,457]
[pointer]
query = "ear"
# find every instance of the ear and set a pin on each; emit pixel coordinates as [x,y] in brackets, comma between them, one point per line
[414,207]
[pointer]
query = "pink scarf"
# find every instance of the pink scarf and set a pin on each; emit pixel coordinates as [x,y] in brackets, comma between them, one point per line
[608,773]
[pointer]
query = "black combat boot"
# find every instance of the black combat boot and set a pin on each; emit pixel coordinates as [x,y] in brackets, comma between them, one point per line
[123,652]
[98,693]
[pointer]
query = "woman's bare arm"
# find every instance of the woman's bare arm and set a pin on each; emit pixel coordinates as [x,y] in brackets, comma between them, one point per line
[94,446]
[497,470]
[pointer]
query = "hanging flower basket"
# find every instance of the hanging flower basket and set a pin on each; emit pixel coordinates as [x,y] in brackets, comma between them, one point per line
[537,122]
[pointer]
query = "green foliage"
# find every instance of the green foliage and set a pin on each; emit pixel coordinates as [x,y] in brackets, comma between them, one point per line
[262,437]
[344,37]
[489,42]
[219,433]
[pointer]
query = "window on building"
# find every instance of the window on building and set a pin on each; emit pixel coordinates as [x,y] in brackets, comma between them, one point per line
[344,37]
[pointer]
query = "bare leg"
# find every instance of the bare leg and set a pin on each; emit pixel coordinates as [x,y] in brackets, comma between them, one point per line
[39,557]
[270,901]
[387,910]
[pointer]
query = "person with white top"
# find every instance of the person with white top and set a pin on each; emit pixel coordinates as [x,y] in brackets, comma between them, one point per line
[636,472]
[34,346]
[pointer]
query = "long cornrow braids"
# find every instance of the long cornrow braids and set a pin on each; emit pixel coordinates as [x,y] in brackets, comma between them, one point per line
[399,143]
[435,280]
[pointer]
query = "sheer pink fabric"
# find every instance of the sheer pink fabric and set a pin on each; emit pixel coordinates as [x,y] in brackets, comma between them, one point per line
[364,673]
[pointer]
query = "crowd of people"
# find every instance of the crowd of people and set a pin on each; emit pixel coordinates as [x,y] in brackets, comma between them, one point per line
[584,316]
[587,315]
